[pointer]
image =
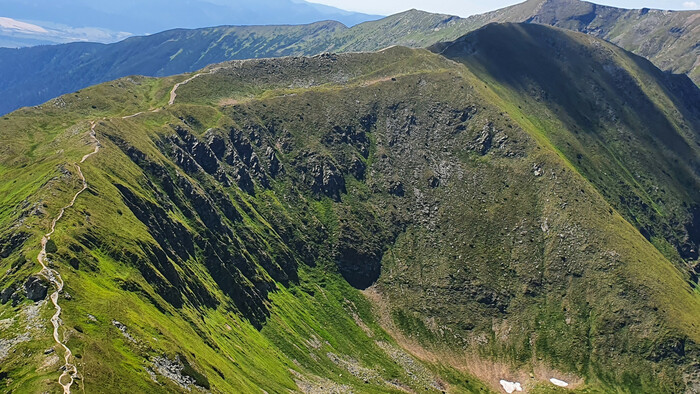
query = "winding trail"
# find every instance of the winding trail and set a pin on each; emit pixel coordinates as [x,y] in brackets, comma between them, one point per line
[69,369]
[173,93]
[132,115]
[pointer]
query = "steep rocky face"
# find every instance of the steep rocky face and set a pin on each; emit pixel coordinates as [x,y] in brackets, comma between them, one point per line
[193,187]
[230,231]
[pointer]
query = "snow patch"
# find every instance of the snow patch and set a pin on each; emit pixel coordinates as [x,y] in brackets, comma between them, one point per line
[511,387]
[558,382]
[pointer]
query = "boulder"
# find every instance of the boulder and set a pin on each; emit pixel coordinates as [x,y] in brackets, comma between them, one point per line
[36,288]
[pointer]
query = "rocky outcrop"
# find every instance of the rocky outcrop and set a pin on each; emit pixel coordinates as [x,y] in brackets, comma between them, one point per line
[36,288]
[490,137]
[351,135]
[320,175]
[7,294]
[360,247]
[12,242]
[275,164]
[180,372]
[396,188]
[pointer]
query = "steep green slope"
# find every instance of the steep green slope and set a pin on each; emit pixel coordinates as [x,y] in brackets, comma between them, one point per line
[609,125]
[223,238]
[667,38]
[34,75]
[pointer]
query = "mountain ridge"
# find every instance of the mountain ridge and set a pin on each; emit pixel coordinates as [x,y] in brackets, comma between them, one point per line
[49,71]
[454,189]
[83,21]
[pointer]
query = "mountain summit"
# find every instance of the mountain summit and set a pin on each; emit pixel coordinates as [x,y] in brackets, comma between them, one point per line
[667,38]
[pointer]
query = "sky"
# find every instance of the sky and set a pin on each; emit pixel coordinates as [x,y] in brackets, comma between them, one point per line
[470,7]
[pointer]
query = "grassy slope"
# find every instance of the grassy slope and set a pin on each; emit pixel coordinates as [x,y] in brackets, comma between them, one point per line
[666,38]
[575,269]
[595,130]
[312,321]
[603,141]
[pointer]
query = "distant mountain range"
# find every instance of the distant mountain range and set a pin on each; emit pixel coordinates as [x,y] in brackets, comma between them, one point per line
[65,21]
[18,34]
[33,75]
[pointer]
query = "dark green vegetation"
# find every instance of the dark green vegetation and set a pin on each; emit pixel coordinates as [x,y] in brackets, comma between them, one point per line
[667,38]
[34,75]
[609,126]
[497,203]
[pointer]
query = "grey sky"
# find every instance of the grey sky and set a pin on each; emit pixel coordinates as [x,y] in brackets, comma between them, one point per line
[469,7]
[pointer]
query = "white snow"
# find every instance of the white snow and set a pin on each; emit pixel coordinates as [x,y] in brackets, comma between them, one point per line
[511,387]
[9,23]
[558,382]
